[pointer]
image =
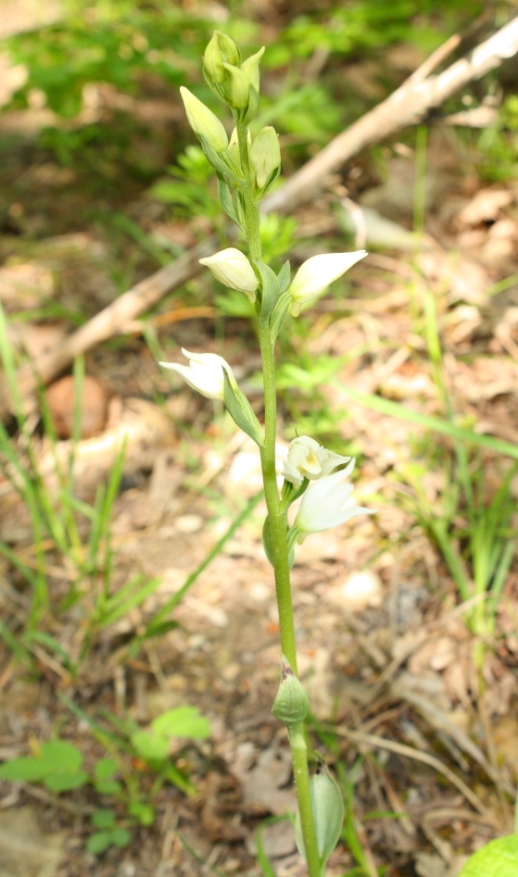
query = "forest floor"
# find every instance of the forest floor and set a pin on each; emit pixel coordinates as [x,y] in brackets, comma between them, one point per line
[426,727]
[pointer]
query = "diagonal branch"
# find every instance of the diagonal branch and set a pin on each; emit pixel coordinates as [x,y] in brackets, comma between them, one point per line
[422,92]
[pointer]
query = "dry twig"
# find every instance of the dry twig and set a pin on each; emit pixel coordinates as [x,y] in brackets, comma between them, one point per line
[407,752]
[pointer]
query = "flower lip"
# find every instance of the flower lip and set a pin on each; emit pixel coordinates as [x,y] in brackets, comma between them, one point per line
[205,373]
[307,459]
[325,504]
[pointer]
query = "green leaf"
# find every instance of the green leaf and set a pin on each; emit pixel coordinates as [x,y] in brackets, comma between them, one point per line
[145,813]
[497,859]
[131,595]
[60,756]
[107,787]
[270,288]
[226,199]
[120,837]
[105,768]
[279,314]
[65,782]
[58,759]
[27,769]
[394,409]
[99,842]
[103,781]
[184,721]
[103,819]
[241,411]
[328,811]
[150,745]
[284,277]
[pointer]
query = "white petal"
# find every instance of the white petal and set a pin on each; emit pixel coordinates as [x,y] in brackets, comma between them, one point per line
[326,523]
[315,275]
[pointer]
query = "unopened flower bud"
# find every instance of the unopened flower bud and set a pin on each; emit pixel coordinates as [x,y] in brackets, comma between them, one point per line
[220,50]
[315,275]
[203,121]
[232,268]
[265,155]
[291,706]
[238,89]
[251,68]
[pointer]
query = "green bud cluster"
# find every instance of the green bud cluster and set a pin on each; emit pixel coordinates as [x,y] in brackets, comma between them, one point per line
[235,82]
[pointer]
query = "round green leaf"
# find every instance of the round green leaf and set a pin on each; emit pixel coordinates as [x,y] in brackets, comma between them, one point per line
[103,819]
[497,859]
[60,756]
[65,782]
[120,837]
[184,721]
[99,842]
[150,746]
[30,770]
[145,813]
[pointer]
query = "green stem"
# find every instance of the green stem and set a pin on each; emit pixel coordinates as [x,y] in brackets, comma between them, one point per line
[278,521]
[251,207]
[276,515]
[307,822]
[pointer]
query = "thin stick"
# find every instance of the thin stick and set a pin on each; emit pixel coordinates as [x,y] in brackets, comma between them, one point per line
[408,752]
[408,105]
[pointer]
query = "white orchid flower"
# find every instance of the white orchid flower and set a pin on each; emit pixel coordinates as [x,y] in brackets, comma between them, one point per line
[315,275]
[232,268]
[205,373]
[307,459]
[325,504]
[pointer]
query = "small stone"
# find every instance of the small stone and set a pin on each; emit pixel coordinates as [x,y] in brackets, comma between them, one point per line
[359,591]
[230,672]
[260,592]
[189,523]
[94,406]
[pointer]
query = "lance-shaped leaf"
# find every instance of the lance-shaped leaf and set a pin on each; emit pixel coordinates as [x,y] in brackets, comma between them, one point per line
[328,813]
[241,411]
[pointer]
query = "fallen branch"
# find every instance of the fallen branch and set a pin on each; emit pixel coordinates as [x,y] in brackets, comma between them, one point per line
[407,106]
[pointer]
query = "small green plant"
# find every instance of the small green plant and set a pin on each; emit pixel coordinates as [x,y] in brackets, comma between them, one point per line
[499,858]
[246,168]
[65,529]
[187,187]
[473,531]
[58,765]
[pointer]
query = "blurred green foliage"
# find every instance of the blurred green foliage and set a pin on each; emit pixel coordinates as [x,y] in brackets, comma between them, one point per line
[121,42]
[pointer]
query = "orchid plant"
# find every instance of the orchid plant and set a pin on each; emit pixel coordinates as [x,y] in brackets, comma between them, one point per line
[247,167]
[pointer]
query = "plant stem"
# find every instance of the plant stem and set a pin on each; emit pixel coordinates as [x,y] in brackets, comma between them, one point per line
[278,521]
[307,823]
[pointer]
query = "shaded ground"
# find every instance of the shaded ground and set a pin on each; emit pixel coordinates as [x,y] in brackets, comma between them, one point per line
[384,648]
